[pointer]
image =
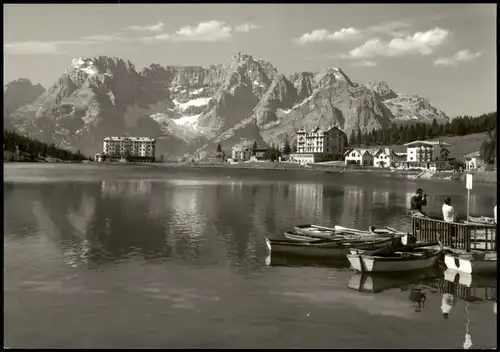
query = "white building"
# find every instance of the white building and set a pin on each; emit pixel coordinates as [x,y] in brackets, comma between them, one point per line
[473,161]
[99,158]
[427,151]
[385,157]
[426,155]
[241,153]
[331,142]
[306,158]
[359,156]
[141,148]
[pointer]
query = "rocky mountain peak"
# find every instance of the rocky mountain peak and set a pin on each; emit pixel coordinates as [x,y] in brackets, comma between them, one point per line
[18,93]
[382,88]
[330,77]
[186,107]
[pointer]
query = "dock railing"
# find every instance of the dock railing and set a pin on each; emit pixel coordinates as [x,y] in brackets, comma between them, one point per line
[462,236]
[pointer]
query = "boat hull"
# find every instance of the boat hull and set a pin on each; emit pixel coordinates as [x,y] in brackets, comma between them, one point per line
[472,264]
[372,264]
[327,249]
[307,249]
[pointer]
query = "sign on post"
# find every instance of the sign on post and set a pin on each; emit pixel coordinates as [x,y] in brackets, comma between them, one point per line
[468,181]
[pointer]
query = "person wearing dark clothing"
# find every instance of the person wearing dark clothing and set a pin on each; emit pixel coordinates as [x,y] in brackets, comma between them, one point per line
[418,201]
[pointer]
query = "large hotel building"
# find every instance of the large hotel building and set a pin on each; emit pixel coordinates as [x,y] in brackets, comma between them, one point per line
[137,149]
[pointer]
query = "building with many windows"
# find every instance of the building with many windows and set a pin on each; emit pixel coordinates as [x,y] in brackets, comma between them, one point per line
[241,153]
[426,155]
[320,145]
[137,149]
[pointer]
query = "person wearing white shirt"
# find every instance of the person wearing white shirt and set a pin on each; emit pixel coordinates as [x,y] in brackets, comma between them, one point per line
[448,211]
[495,213]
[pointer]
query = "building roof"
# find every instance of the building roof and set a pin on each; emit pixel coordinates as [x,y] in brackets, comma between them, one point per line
[141,139]
[317,129]
[133,139]
[426,142]
[473,155]
[241,149]
[362,151]
[114,138]
[386,151]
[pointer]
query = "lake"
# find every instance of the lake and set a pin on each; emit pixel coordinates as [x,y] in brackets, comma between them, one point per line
[157,257]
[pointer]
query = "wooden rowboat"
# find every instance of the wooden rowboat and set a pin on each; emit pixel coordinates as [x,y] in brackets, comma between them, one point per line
[482,220]
[472,263]
[314,231]
[371,231]
[318,231]
[299,237]
[325,247]
[399,259]
[294,236]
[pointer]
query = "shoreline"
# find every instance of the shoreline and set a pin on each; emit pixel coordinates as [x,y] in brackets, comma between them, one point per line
[486,177]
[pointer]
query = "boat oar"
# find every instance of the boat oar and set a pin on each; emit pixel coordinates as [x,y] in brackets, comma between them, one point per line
[394,230]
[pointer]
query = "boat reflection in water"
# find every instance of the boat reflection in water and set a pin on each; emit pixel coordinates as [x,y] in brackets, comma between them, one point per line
[278,259]
[377,283]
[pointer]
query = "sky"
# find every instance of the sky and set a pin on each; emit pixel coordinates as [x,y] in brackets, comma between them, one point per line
[443,52]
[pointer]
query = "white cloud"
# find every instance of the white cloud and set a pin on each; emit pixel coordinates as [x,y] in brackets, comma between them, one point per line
[246,27]
[323,35]
[152,28]
[105,38]
[55,47]
[423,43]
[364,63]
[40,48]
[392,28]
[32,48]
[210,31]
[457,58]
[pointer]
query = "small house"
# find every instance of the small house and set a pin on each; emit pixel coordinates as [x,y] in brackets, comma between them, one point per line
[359,156]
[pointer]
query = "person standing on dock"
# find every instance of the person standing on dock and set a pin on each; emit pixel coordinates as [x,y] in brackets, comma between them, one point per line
[418,201]
[448,211]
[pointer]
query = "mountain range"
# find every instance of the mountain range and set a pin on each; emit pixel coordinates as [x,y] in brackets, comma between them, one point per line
[190,109]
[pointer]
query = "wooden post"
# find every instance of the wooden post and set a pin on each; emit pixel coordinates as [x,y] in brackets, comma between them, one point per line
[468,185]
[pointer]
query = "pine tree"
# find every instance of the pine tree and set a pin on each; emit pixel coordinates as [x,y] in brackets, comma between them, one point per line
[254,147]
[286,148]
[352,139]
[359,138]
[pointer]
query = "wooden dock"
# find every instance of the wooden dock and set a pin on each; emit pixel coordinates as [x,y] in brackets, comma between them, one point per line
[461,236]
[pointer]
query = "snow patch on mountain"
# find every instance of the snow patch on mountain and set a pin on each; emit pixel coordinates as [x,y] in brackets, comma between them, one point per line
[86,65]
[191,121]
[303,102]
[194,102]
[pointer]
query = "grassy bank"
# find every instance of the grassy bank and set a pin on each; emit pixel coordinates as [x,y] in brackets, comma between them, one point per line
[459,145]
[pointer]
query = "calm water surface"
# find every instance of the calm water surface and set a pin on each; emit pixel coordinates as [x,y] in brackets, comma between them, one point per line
[151,257]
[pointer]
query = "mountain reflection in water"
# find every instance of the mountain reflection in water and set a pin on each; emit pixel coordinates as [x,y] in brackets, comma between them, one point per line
[143,257]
